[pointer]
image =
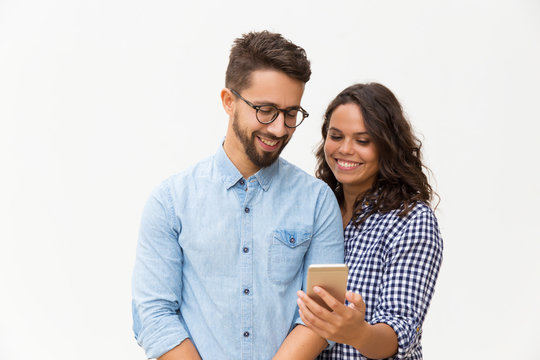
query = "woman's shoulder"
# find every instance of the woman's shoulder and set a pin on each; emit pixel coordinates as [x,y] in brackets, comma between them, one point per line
[420,226]
[394,221]
[420,212]
[420,209]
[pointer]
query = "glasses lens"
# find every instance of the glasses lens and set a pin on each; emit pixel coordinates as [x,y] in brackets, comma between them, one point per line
[266,114]
[293,118]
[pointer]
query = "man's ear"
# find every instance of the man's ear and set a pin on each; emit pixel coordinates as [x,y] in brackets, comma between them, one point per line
[227,100]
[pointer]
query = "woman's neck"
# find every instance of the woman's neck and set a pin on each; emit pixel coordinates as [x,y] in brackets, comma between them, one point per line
[349,198]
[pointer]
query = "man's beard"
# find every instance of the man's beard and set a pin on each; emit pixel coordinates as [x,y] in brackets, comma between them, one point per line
[260,160]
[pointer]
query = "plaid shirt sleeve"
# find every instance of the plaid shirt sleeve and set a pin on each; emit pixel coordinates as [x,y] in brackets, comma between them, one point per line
[412,263]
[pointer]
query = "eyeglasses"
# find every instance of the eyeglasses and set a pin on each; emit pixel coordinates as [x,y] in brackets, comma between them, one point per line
[266,114]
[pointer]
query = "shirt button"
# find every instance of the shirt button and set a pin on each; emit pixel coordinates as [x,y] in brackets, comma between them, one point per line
[246,210]
[242,182]
[246,333]
[246,291]
[292,241]
[245,249]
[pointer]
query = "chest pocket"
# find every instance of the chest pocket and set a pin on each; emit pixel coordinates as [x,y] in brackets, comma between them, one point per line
[286,255]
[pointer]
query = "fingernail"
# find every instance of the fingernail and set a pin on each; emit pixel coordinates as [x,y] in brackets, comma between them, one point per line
[317,289]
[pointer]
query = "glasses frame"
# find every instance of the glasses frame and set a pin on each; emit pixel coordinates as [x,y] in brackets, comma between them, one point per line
[285,112]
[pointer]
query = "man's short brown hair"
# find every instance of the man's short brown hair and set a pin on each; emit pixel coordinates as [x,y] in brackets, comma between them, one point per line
[265,51]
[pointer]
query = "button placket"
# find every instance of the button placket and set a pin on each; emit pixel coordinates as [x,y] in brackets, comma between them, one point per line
[246,297]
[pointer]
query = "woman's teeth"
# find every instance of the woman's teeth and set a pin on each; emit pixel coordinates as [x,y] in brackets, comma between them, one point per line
[347,164]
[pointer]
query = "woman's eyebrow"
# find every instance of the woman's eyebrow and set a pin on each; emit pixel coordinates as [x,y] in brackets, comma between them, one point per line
[356,133]
[334,129]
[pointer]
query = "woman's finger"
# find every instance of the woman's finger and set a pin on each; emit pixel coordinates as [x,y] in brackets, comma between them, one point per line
[331,301]
[355,301]
[311,321]
[315,309]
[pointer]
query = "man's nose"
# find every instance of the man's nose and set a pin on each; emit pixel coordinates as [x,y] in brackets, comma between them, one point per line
[277,127]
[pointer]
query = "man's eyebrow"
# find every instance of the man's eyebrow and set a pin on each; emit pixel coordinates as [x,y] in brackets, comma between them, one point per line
[263,103]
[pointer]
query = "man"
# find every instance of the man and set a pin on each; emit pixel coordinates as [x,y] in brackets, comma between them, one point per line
[225,245]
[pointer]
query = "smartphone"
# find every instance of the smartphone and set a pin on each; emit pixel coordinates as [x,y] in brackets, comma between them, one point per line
[331,277]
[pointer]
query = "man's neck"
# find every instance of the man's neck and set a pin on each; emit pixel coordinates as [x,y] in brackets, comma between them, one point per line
[240,160]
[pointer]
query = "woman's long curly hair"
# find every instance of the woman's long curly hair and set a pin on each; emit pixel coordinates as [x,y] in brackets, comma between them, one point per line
[401,181]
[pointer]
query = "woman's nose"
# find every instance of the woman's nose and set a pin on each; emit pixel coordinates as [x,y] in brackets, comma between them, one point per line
[346,147]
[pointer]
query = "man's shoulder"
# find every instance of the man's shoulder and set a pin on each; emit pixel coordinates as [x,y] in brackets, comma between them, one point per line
[200,168]
[189,175]
[290,171]
[305,188]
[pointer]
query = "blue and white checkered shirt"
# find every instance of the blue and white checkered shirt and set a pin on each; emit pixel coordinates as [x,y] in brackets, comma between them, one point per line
[393,263]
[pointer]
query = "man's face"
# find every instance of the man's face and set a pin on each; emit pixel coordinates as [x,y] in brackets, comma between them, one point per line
[262,143]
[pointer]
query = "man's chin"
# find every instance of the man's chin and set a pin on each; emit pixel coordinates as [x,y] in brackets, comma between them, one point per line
[264,158]
[265,161]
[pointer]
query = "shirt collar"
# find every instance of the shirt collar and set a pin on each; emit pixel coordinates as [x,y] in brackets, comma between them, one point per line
[230,174]
[265,175]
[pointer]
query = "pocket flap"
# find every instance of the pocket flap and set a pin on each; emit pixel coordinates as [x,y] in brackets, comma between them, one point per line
[291,238]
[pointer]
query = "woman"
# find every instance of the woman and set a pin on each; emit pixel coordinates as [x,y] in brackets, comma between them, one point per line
[371,159]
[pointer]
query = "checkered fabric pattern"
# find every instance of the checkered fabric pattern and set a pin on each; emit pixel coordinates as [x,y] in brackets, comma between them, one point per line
[393,263]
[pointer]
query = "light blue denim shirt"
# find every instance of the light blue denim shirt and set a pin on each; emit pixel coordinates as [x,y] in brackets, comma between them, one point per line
[220,258]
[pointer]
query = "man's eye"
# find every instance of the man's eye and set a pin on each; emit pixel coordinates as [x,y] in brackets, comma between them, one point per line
[292,113]
[266,109]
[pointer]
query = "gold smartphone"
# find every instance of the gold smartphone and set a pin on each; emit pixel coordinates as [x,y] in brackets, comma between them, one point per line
[331,277]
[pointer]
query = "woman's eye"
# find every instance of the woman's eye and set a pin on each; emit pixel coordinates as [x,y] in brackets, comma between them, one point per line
[334,137]
[363,142]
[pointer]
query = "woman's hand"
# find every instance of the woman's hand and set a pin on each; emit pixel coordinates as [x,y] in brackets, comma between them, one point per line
[345,324]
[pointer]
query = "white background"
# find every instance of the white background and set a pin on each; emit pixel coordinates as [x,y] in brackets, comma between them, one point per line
[101,100]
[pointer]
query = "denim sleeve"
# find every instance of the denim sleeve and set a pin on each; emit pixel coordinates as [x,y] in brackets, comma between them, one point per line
[327,246]
[157,278]
[408,283]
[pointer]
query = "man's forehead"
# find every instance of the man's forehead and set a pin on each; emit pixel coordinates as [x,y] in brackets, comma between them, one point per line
[271,86]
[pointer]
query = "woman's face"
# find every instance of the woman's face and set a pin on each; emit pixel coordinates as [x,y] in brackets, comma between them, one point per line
[349,151]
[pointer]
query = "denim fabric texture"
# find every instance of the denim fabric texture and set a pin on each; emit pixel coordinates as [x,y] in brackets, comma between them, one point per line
[220,258]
